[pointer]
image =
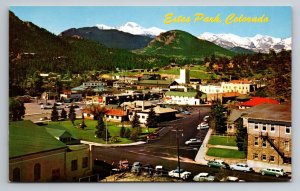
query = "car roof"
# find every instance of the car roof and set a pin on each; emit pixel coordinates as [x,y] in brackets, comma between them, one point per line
[203,174]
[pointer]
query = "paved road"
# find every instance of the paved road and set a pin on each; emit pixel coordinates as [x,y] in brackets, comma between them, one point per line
[164,151]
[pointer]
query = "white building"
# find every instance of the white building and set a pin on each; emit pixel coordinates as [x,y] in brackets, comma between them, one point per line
[182,98]
[240,86]
[211,89]
[184,77]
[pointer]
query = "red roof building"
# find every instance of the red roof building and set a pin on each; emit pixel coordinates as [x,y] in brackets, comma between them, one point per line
[254,101]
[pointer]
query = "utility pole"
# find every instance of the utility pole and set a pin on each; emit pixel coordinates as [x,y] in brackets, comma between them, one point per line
[106,130]
[178,158]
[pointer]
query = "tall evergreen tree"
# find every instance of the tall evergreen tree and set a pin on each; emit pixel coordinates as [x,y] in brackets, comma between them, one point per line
[241,136]
[218,117]
[151,120]
[63,114]
[135,121]
[100,127]
[82,125]
[72,114]
[122,131]
[54,114]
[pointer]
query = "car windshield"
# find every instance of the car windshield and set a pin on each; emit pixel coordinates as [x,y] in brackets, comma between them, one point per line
[177,170]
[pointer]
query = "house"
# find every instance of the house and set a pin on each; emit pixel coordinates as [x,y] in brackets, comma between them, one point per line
[254,101]
[182,98]
[269,128]
[36,156]
[117,115]
[163,114]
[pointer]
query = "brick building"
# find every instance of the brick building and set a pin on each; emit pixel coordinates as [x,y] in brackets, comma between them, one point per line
[269,136]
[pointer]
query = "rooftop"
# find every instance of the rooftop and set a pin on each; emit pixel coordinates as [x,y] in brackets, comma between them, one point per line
[116,112]
[258,100]
[273,112]
[26,138]
[181,94]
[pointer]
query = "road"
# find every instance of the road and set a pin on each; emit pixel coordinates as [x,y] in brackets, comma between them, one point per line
[164,151]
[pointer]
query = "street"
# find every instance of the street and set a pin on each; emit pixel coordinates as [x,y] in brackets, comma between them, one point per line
[164,151]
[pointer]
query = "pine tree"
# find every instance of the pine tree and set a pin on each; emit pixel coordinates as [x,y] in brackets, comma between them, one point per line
[100,127]
[218,118]
[83,125]
[54,114]
[241,136]
[151,120]
[63,114]
[122,131]
[127,133]
[135,121]
[72,114]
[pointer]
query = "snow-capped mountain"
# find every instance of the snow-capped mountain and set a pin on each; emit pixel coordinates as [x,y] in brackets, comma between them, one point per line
[134,28]
[258,43]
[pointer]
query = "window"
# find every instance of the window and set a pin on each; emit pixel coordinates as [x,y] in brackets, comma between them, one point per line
[255,156]
[256,126]
[264,143]
[37,172]
[256,141]
[264,157]
[85,162]
[272,128]
[74,165]
[16,175]
[286,146]
[272,158]
[143,117]
[287,130]
[264,128]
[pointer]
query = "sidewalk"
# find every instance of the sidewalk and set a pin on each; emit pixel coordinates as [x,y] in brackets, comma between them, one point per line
[224,147]
[112,145]
[203,149]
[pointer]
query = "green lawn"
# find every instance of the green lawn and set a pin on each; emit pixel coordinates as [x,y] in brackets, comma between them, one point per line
[222,140]
[225,153]
[88,134]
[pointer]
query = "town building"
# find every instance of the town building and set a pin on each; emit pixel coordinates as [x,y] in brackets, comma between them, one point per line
[182,98]
[163,114]
[116,115]
[240,86]
[37,156]
[157,85]
[184,77]
[269,136]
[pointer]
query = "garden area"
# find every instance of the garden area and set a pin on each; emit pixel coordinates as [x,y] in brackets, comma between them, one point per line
[88,133]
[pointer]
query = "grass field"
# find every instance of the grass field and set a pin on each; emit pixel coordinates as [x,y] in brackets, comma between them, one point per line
[226,153]
[222,140]
[88,134]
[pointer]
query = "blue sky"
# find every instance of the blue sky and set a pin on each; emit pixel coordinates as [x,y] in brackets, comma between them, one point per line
[58,19]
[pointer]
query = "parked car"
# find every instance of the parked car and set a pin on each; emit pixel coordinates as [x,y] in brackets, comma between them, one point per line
[273,172]
[193,141]
[160,170]
[203,125]
[148,168]
[204,177]
[217,164]
[241,167]
[136,167]
[231,179]
[183,174]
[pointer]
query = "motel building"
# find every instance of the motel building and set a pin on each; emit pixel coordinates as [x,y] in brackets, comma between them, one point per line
[269,136]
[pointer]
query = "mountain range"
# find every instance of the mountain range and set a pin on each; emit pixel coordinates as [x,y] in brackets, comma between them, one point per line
[258,43]
[134,28]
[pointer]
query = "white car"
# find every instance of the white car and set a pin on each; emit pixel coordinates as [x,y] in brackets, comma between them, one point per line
[241,167]
[204,177]
[193,141]
[183,174]
[203,125]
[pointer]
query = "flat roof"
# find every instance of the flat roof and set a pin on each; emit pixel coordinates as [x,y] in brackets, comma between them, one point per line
[272,112]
